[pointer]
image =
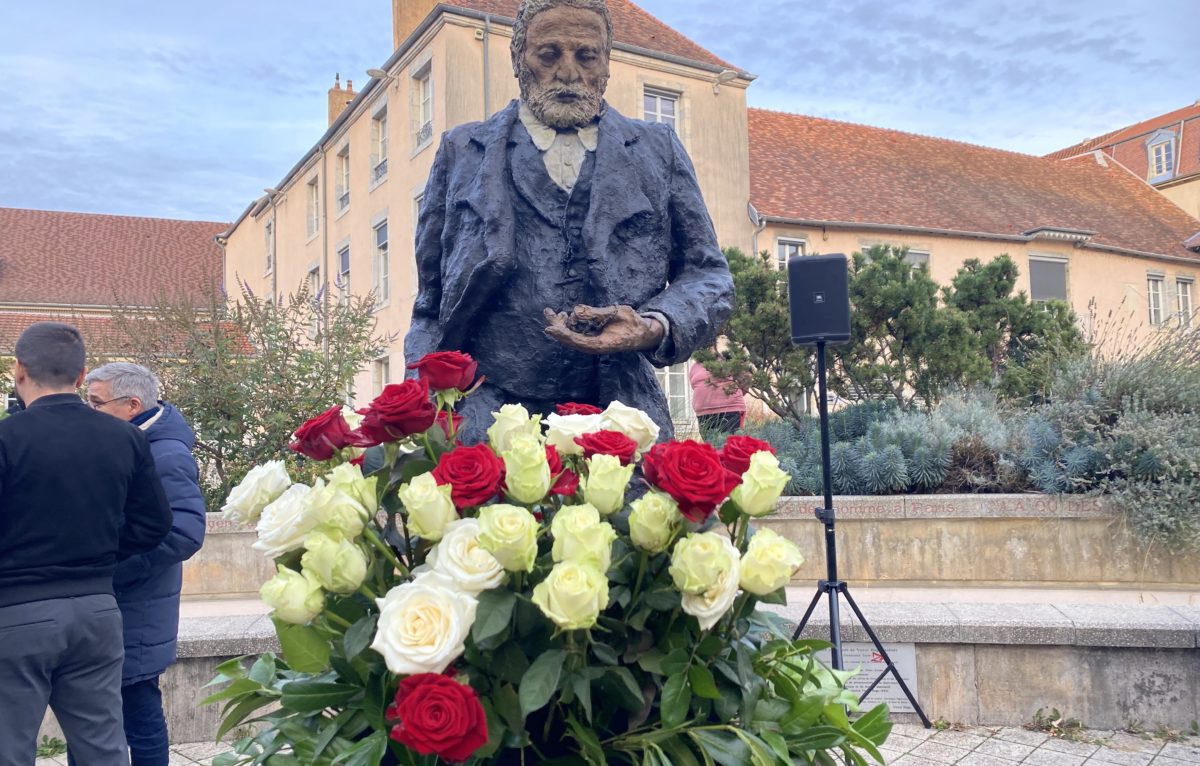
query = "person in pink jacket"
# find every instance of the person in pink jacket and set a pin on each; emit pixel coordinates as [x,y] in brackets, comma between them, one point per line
[719,404]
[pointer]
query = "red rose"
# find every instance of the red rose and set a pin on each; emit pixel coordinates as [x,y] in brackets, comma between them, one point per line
[612,443]
[735,455]
[446,369]
[692,474]
[575,408]
[322,436]
[438,716]
[566,482]
[474,474]
[401,410]
[443,420]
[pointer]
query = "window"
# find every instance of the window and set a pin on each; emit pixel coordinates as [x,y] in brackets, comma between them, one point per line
[343,276]
[379,145]
[1160,155]
[1047,279]
[1183,301]
[343,178]
[269,244]
[786,248]
[1154,299]
[381,374]
[422,107]
[916,258]
[660,106]
[314,207]
[381,276]
[314,298]
[674,382]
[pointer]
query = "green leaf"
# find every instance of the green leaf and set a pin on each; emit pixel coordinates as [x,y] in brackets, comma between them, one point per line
[263,670]
[304,647]
[582,686]
[777,743]
[729,512]
[508,705]
[676,700]
[312,696]
[605,653]
[330,730]
[651,662]
[492,616]
[589,743]
[622,682]
[240,712]
[676,662]
[678,751]
[662,599]
[541,681]
[509,662]
[724,747]
[775,597]
[368,752]
[358,636]
[703,683]
[238,688]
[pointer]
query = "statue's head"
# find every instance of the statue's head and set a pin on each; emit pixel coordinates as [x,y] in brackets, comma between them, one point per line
[560,54]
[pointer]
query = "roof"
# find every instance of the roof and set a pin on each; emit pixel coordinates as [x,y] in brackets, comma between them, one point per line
[631,25]
[1145,127]
[82,259]
[812,169]
[102,335]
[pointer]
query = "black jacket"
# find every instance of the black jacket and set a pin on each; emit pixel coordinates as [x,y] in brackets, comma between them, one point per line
[78,491]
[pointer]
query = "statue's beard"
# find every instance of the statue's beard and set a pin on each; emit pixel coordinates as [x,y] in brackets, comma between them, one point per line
[544,101]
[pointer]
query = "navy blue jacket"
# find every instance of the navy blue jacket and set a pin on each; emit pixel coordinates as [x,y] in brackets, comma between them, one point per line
[147,585]
[648,243]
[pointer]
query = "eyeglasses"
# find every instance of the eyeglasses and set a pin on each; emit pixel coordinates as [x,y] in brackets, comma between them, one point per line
[97,405]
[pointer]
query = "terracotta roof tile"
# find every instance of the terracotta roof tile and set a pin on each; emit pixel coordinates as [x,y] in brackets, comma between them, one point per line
[631,25]
[807,168]
[101,334]
[81,259]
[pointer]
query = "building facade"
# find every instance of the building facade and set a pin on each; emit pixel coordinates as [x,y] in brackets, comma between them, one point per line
[1085,230]
[345,215]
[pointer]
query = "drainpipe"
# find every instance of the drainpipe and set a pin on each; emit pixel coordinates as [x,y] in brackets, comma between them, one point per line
[324,262]
[487,67]
[1179,151]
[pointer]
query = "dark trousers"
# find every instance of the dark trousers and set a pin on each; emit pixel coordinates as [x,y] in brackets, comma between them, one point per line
[66,653]
[145,724]
[719,423]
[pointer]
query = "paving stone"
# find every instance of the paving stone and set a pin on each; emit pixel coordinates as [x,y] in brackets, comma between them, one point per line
[1042,757]
[1166,760]
[1133,744]
[932,752]
[1107,755]
[177,759]
[915,731]
[1002,748]
[1084,749]
[977,758]
[909,760]
[967,740]
[1184,751]
[1023,736]
[890,755]
[901,742]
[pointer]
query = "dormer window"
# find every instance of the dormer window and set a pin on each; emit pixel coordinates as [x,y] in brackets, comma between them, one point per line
[1160,156]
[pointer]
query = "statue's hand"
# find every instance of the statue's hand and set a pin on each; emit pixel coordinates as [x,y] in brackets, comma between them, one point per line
[604,330]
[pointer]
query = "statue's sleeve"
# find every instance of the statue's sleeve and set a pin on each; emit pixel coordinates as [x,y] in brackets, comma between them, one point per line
[699,296]
[425,330]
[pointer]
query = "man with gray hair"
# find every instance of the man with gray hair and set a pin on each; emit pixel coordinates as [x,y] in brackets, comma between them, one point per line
[564,246]
[78,493]
[147,585]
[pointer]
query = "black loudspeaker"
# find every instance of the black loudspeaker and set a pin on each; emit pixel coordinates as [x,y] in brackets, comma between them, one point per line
[819,299]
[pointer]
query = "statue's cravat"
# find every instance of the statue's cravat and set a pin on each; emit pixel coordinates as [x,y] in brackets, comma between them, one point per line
[563,151]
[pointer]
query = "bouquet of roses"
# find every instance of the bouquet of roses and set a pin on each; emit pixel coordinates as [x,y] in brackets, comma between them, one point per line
[570,592]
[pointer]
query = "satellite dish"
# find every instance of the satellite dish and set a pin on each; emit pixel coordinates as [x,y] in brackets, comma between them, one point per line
[753,213]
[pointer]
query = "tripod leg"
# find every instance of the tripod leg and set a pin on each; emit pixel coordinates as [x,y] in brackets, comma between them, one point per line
[891,666]
[808,612]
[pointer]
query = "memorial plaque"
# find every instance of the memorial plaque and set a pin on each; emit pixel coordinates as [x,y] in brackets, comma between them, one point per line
[869,662]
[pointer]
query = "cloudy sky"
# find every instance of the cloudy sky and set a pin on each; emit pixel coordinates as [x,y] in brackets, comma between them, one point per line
[187,110]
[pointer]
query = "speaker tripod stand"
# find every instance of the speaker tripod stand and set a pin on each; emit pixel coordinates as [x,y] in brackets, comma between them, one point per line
[831,587]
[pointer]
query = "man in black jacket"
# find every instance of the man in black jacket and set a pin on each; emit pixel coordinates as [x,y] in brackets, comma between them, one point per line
[78,492]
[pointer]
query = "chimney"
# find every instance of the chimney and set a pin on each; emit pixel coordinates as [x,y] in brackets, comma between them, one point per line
[407,15]
[339,99]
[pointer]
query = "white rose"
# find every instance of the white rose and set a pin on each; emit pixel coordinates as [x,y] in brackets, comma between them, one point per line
[710,606]
[762,484]
[338,564]
[632,422]
[259,489]
[512,419]
[296,598]
[429,506]
[352,418]
[285,523]
[423,625]
[562,430]
[333,510]
[459,557]
[349,479]
[605,483]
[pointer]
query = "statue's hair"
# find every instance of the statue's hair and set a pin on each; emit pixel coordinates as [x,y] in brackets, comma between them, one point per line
[531,8]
